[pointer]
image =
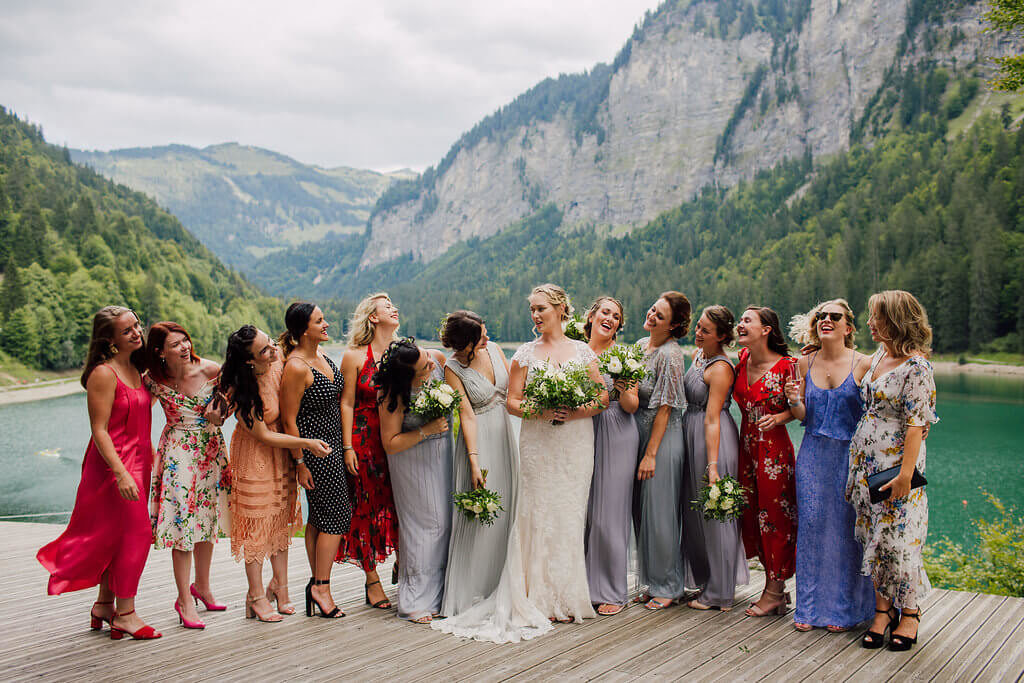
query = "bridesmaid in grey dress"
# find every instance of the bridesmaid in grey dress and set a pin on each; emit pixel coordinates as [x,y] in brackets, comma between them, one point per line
[714,550]
[487,442]
[658,507]
[420,462]
[616,441]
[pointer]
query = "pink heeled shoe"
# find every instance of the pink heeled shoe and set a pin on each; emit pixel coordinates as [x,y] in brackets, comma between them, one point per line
[187,623]
[210,606]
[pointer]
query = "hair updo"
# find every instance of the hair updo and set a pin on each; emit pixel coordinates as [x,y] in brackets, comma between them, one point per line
[724,322]
[594,307]
[296,320]
[555,296]
[462,329]
[396,371]
[680,307]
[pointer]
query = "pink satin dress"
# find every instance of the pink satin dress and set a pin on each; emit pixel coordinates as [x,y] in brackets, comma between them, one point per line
[108,534]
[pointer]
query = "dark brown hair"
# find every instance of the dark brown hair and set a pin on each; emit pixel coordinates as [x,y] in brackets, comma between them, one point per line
[158,334]
[724,322]
[462,329]
[296,320]
[680,307]
[770,319]
[101,343]
[587,326]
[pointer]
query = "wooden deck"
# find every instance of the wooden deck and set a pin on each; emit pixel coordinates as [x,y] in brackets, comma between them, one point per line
[965,636]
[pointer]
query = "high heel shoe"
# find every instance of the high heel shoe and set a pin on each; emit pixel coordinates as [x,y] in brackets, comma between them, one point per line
[312,603]
[210,606]
[380,604]
[872,640]
[779,608]
[272,596]
[187,623]
[251,613]
[898,643]
[95,622]
[144,633]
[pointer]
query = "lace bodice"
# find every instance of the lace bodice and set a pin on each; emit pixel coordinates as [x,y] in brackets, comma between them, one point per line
[526,356]
[663,385]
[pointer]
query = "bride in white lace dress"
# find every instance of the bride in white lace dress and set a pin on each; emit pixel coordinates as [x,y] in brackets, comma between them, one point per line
[545,573]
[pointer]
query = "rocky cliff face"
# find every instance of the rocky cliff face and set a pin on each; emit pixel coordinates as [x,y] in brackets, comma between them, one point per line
[687,108]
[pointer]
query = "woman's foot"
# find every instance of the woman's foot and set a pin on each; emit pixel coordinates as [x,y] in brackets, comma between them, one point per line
[837,629]
[375,595]
[205,595]
[655,604]
[425,619]
[874,637]
[608,609]
[187,609]
[904,636]
[802,627]
[101,611]
[129,623]
[642,598]
[769,603]
[279,594]
[323,598]
[259,607]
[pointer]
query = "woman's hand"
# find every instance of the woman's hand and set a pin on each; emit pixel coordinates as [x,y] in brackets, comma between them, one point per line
[320,449]
[556,414]
[770,422]
[438,426]
[476,477]
[622,385]
[351,461]
[792,390]
[305,477]
[216,410]
[899,485]
[713,473]
[646,468]
[126,485]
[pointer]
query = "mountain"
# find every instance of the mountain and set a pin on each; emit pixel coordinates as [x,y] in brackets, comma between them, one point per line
[72,241]
[244,202]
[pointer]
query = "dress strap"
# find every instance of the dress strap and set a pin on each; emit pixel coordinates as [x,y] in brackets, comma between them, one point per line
[810,363]
[853,360]
[879,354]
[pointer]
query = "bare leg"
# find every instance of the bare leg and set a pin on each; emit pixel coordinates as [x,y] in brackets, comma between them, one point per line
[325,551]
[203,558]
[104,606]
[256,599]
[181,560]
[881,620]
[311,535]
[773,597]
[279,583]
[375,592]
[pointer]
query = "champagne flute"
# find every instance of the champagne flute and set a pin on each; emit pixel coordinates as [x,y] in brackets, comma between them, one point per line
[793,375]
[756,414]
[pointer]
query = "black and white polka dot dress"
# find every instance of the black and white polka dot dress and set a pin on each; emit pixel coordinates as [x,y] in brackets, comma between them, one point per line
[319,417]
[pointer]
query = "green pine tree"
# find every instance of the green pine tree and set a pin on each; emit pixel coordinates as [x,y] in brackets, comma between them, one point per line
[12,291]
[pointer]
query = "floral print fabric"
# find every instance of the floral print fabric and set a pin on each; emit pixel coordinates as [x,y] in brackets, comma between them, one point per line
[892,532]
[192,476]
[767,470]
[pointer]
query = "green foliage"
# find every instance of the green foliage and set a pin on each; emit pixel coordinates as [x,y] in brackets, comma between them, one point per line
[1008,16]
[996,566]
[75,242]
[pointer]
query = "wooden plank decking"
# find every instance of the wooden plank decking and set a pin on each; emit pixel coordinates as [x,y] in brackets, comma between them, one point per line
[965,636]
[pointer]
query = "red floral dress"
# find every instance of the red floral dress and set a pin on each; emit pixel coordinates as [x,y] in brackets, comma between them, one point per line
[373,534]
[767,470]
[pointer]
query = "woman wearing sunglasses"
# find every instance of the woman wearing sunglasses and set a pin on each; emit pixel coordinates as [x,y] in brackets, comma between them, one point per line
[830,590]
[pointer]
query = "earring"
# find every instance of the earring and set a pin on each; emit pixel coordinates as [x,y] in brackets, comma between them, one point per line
[113,349]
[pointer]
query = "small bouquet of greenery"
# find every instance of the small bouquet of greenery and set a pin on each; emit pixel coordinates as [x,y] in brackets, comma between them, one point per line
[724,500]
[482,504]
[623,362]
[568,387]
[574,328]
[436,399]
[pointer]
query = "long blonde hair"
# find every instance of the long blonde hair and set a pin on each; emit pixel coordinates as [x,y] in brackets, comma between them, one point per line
[804,329]
[555,296]
[904,320]
[360,327]
[101,343]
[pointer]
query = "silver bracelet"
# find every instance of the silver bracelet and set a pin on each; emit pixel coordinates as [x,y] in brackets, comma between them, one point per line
[420,430]
[300,460]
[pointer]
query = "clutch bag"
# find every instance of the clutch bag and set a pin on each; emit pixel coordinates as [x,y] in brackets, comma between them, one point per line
[879,479]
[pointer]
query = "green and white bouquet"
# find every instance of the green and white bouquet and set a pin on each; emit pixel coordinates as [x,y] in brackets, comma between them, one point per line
[482,504]
[574,328]
[623,362]
[724,500]
[568,387]
[436,399]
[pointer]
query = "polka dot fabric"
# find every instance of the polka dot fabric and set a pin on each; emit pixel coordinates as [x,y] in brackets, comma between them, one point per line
[330,508]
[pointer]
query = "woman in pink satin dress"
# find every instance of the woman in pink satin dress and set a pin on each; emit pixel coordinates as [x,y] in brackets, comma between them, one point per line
[108,538]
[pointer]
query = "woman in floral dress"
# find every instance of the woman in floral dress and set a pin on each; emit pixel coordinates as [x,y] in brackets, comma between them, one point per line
[191,479]
[899,404]
[767,465]
[373,534]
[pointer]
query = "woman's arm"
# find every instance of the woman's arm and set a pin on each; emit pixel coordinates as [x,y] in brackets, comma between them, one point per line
[294,381]
[601,403]
[647,463]
[516,386]
[795,392]
[350,368]
[391,434]
[629,397]
[265,435]
[100,392]
[719,379]
[900,484]
[467,422]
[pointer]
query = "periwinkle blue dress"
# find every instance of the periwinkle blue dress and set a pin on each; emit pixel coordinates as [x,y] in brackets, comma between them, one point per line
[609,511]
[830,590]
[421,479]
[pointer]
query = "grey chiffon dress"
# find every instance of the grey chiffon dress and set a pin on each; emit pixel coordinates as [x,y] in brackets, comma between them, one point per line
[658,501]
[714,550]
[609,512]
[476,553]
[421,479]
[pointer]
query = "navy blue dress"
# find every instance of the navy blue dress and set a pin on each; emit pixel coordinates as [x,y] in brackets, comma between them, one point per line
[830,590]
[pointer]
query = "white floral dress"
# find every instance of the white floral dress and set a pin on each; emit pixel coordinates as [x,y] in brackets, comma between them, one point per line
[191,479]
[892,532]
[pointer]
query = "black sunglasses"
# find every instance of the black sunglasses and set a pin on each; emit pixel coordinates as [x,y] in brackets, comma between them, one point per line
[834,317]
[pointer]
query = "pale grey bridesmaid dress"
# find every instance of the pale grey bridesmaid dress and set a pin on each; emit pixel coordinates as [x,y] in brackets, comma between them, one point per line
[476,553]
[421,479]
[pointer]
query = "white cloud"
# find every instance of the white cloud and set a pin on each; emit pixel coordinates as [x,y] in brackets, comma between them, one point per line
[379,85]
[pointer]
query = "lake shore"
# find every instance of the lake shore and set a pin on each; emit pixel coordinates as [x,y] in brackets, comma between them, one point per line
[40,391]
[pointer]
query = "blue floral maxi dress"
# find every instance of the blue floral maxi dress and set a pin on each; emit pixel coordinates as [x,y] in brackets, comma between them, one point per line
[892,532]
[830,590]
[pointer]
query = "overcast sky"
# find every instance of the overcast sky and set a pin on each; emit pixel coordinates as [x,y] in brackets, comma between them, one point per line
[383,85]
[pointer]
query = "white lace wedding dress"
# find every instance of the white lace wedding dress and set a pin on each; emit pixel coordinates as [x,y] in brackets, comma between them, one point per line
[545,573]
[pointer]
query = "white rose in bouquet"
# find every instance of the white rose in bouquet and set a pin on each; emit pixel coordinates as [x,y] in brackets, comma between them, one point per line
[632,365]
[445,398]
[492,506]
[714,493]
[560,376]
[477,508]
[614,366]
[711,504]
[727,486]
[727,504]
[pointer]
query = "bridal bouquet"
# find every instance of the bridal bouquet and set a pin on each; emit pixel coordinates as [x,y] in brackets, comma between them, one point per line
[724,500]
[623,362]
[482,505]
[569,387]
[574,328]
[436,399]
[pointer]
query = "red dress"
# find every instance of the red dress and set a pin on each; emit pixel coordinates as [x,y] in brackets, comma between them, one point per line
[108,533]
[373,534]
[767,470]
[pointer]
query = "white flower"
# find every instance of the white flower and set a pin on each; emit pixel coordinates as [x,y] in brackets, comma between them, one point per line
[579,393]
[421,401]
[631,364]
[446,388]
[444,399]
[710,505]
[560,376]
[491,506]
[475,507]
[727,504]
[714,493]
[727,486]
[614,366]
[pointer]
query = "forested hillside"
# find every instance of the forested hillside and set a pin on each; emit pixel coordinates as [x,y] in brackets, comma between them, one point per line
[72,241]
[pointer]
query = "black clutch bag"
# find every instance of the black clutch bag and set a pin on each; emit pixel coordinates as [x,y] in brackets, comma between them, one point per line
[879,479]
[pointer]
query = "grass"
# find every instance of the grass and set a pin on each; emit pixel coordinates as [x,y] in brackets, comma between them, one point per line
[13,373]
[986,101]
[983,358]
